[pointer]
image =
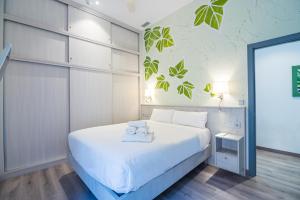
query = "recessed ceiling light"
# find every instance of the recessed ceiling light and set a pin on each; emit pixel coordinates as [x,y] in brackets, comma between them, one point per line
[91,2]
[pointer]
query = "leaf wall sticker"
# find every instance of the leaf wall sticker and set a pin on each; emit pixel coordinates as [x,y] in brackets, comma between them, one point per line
[208,89]
[151,67]
[210,14]
[166,40]
[178,71]
[161,83]
[186,89]
[218,2]
[150,36]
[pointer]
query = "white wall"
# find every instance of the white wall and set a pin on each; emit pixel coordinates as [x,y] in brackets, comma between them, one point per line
[278,113]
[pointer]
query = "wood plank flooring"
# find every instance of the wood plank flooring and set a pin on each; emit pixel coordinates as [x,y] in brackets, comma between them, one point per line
[278,177]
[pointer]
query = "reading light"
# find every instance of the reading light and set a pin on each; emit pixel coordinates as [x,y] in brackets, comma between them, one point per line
[148,95]
[220,88]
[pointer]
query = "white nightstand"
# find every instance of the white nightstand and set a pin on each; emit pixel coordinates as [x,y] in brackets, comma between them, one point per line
[229,151]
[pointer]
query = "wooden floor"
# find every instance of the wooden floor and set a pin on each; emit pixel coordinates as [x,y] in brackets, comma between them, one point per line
[278,178]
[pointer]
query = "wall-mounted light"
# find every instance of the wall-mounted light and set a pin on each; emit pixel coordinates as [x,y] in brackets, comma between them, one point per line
[220,88]
[148,95]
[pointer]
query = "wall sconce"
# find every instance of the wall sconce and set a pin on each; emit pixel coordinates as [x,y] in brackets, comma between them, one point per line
[220,88]
[148,95]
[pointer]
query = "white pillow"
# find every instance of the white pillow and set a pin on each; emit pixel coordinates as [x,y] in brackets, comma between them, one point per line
[195,119]
[160,115]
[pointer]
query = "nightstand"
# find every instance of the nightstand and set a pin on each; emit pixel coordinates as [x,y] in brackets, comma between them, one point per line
[229,152]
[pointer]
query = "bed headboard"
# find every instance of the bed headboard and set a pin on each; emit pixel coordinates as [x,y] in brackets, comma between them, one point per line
[228,119]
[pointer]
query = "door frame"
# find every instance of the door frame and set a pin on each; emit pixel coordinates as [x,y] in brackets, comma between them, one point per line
[251,93]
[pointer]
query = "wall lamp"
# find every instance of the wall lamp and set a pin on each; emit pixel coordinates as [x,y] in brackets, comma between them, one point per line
[148,95]
[220,88]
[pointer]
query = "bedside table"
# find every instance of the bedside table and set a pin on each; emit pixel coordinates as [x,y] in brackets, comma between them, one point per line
[229,152]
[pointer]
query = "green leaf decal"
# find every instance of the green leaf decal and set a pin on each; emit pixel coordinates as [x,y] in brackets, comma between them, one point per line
[208,89]
[150,36]
[186,89]
[178,70]
[151,67]
[161,83]
[210,14]
[218,2]
[166,40]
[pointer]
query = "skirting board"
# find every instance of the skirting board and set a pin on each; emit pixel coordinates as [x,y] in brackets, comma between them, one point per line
[278,151]
[21,172]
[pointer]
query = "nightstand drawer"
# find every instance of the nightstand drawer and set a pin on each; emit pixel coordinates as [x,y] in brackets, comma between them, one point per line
[227,161]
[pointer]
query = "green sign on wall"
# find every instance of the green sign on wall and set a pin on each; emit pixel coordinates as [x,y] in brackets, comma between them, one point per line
[296,81]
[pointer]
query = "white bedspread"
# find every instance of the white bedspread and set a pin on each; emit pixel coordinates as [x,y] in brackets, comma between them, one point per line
[126,166]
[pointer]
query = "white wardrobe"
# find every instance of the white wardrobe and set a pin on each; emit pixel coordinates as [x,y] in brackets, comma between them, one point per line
[70,68]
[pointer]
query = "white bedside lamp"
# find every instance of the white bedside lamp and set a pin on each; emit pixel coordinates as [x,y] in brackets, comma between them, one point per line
[220,88]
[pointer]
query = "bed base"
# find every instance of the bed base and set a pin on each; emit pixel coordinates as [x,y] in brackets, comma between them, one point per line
[151,189]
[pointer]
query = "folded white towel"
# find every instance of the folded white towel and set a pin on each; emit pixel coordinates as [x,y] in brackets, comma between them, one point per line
[137,124]
[130,130]
[138,138]
[142,130]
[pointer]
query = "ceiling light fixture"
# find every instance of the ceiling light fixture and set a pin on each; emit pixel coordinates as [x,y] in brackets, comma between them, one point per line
[91,2]
[131,4]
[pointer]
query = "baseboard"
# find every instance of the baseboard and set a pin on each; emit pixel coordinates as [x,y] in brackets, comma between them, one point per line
[21,172]
[278,151]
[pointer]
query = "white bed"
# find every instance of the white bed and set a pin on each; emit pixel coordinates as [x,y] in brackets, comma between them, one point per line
[125,167]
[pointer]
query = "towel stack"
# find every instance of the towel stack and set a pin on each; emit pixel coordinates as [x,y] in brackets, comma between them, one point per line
[137,131]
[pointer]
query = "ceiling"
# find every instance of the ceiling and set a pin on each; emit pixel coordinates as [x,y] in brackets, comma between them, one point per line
[143,11]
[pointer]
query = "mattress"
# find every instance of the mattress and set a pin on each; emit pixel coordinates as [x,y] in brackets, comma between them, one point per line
[126,166]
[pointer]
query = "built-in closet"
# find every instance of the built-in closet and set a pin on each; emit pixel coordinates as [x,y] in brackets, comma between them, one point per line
[70,68]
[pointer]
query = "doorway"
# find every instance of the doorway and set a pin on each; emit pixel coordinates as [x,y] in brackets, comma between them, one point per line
[267,59]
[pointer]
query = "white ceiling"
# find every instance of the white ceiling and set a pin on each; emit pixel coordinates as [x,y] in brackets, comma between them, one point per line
[145,10]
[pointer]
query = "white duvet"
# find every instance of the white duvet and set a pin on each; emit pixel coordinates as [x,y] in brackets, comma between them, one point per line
[124,167]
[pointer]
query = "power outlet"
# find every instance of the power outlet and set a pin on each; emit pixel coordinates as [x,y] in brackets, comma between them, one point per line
[237,124]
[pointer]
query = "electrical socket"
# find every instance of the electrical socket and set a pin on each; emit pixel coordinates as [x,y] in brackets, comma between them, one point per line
[237,124]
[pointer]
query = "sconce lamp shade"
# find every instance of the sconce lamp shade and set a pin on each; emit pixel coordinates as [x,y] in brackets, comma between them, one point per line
[148,93]
[220,87]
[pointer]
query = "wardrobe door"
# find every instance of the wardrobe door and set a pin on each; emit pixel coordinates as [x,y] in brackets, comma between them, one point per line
[36,107]
[125,98]
[123,61]
[89,26]
[88,54]
[34,43]
[124,38]
[90,99]
[47,12]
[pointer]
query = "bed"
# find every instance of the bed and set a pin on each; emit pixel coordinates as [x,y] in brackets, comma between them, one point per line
[119,170]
